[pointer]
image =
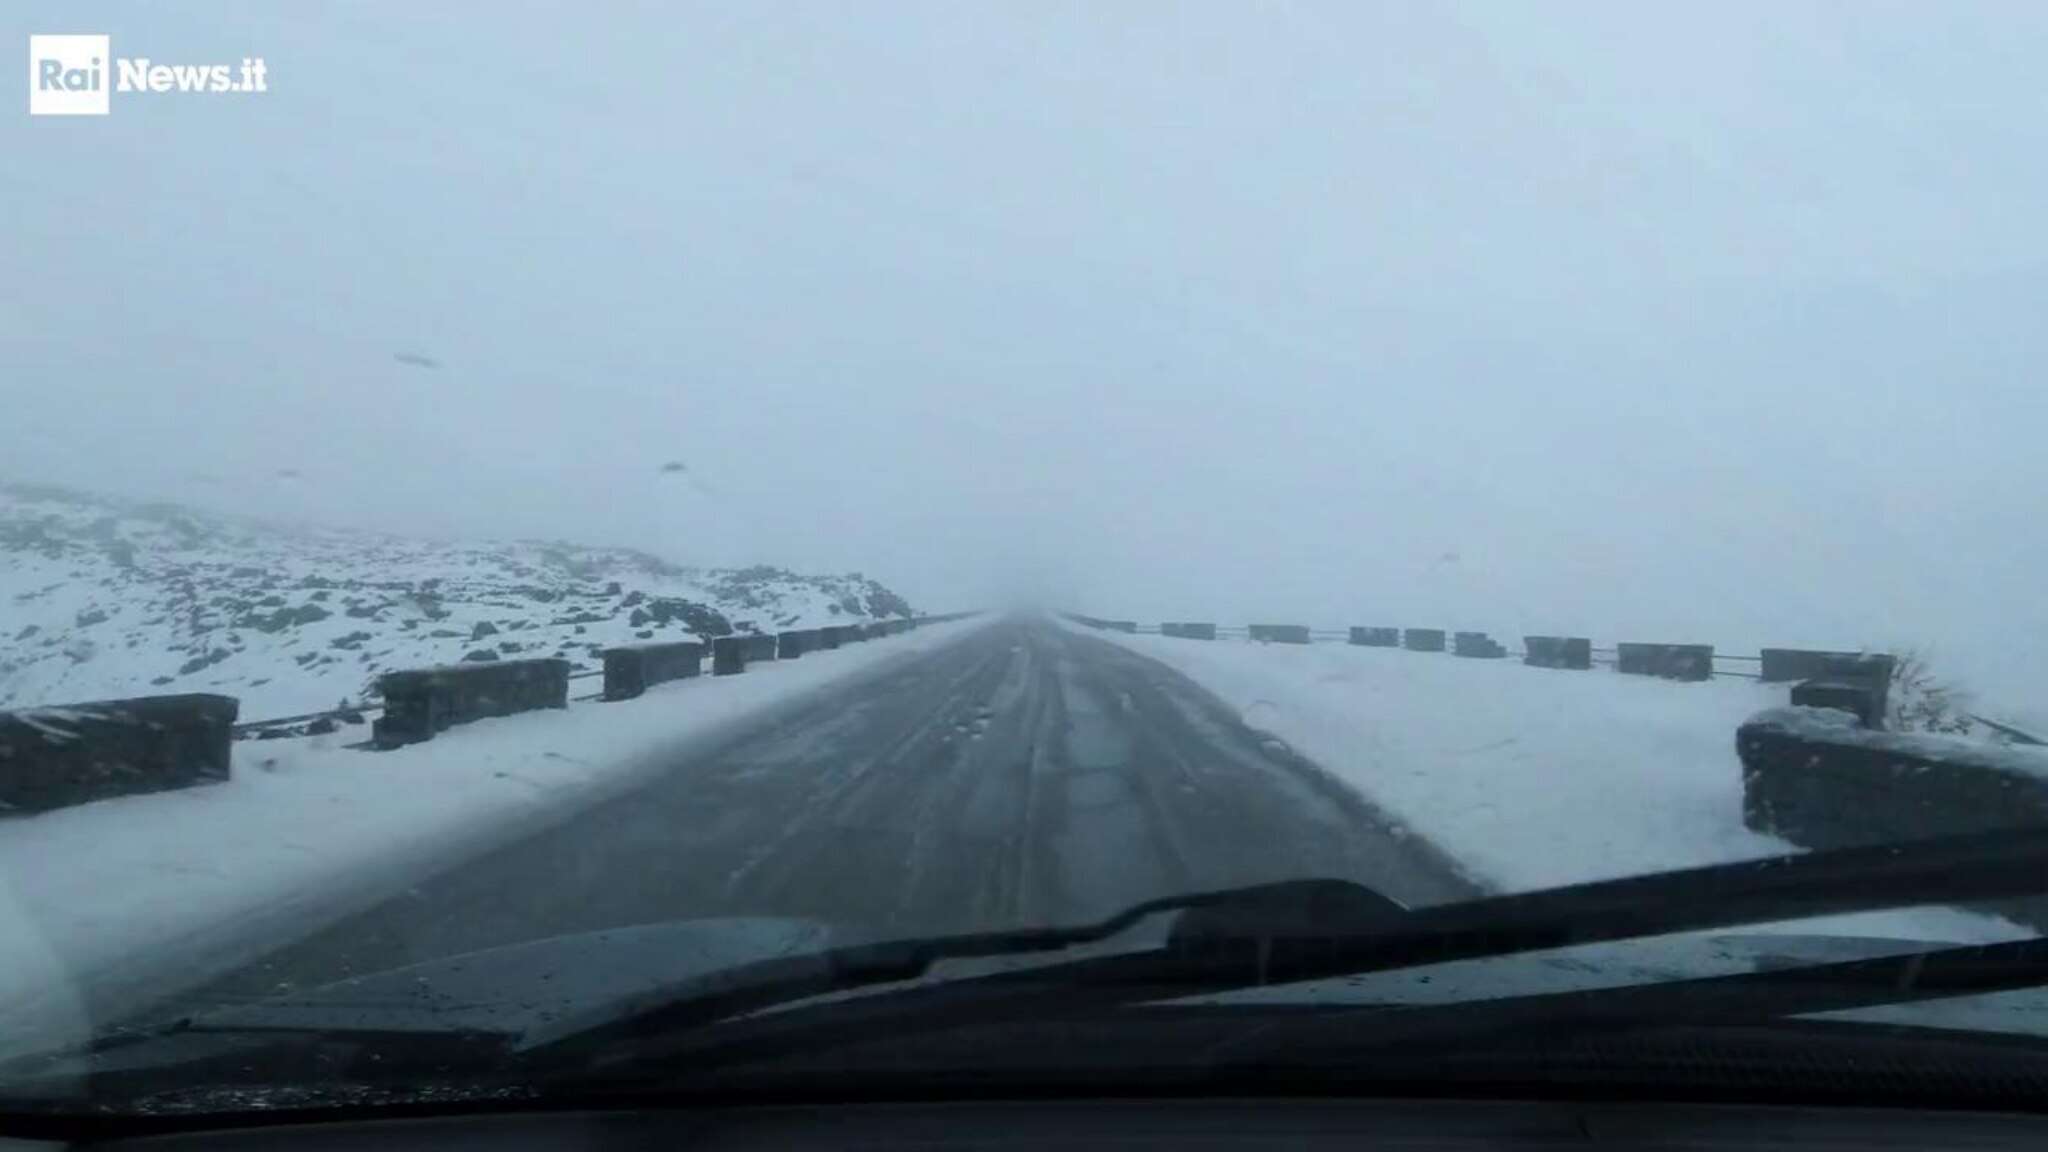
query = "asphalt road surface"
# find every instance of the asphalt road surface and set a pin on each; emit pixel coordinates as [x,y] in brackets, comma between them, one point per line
[1023,775]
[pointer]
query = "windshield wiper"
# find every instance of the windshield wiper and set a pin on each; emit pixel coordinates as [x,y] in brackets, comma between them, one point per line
[1310,945]
[1717,1001]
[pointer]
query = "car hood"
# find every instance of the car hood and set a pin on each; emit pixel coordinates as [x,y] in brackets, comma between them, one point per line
[546,987]
[539,984]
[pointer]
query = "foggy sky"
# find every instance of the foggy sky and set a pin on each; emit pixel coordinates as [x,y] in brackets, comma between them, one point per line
[1722,325]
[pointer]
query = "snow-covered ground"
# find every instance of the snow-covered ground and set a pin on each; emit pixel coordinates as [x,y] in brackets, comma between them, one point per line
[142,895]
[1529,777]
[102,599]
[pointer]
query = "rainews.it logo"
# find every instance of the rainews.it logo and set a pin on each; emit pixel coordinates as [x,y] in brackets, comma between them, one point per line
[78,76]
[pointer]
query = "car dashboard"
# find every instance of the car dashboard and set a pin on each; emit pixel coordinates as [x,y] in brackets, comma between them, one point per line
[1076,1125]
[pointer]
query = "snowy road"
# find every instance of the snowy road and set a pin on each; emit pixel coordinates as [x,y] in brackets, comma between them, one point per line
[1024,775]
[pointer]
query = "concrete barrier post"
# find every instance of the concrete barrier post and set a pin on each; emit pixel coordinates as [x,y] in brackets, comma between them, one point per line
[790,645]
[74,753]
[1788,664]
[1477,645]
[420,702]
[1815,777]
[1670,661]
[760,648]
[625,673]
[1575,652]
[1423,639]
[1862,697]
[728,655]
[631,669]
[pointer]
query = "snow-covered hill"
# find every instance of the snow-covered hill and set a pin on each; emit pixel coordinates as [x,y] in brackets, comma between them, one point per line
[101,598]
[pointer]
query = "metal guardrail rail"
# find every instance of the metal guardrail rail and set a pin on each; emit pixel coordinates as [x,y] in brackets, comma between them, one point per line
[2015,734]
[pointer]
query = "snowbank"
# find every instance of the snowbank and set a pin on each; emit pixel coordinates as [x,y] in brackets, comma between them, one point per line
[136,897]
[1529,777]
[1831,725]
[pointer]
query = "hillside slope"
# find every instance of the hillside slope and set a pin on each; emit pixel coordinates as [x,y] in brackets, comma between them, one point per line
[100,598]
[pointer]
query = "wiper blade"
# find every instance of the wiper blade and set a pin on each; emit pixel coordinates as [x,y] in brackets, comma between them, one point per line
[746,988]
[1950,870]
[1719,1001]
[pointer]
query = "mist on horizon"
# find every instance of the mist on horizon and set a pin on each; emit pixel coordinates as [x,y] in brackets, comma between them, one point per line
[1716,326]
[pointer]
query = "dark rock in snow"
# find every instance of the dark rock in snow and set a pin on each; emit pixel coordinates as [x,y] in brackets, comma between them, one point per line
[88,619]
[696,617]
[201,663]
[639,617]
[320,727]
[483,628]
[479,656]
[883,603]
[283,618]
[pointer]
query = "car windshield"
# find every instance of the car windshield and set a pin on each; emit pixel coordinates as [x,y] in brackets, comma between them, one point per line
[555,548]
